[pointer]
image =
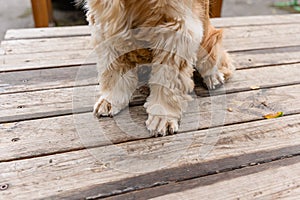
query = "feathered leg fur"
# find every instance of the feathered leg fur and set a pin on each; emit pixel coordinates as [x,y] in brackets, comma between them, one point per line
[181,39]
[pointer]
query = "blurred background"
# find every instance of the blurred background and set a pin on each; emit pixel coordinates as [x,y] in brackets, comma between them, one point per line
[18,13]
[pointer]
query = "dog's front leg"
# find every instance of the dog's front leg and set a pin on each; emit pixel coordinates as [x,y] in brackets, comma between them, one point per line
[169,85]
[117,84]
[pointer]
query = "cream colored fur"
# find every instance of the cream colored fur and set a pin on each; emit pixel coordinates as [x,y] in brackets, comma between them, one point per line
[173,34]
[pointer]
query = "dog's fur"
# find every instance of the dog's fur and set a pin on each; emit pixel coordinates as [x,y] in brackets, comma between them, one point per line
[170,29]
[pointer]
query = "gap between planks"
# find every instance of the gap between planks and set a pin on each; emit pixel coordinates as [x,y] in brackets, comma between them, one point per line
[248,59]
[14,34]
[65,131]
[230,185]
[41,78]
[248,38]
[73,57]
[237,145]
[53,102]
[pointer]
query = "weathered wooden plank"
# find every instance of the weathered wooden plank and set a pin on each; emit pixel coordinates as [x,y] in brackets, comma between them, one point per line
[84,30]
[247,38]
[1,52]
[265,77]
[54,78]
[41,79]
[38,104]
[266,57]
[278,41]
[260,31]
[246,59]
[231,32]
[204,113]
[44,103]
[264,185]
[109,170]
[275,180]
[45,60]
[30,46]
[30,33]
[256,20]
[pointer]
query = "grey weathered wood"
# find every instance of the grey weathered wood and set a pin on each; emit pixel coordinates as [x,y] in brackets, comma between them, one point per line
[30,33]
[257,31]
[42,79]
[22,106]
[278,183]
[61,77]
[234,41]
[246,59]
[45,60]
[43,151]
[80,174]
[256,20]
[242,44]
[53,102]
[265,77]
[266,57]
[206,112]
[84,30]
[275,180]
[30,46]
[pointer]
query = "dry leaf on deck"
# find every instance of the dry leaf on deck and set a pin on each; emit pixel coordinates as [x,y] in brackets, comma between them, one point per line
[273,115]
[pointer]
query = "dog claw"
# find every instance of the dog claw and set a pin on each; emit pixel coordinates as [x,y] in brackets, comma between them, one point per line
[161,126]
[103,109]
[214,81]
[171,131]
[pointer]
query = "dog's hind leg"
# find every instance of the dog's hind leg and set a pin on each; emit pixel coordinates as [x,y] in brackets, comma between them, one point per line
[214,63]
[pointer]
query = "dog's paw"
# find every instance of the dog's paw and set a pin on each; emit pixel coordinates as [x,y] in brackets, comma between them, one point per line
[214,80]
[104,109]
[161,125]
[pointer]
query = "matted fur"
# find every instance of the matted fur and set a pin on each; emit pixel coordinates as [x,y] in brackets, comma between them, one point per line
[180,36]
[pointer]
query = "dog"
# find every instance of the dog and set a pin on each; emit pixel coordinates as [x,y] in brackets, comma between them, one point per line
[176,36]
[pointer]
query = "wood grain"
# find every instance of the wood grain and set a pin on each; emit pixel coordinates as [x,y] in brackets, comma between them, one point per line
[247,21]
[54,102]
[43,79]
[30,46]
[216,8]
[224,149]
[255,182]
[45,60]
[259,185]
[59,77]
[53,32]
[109,170]
[31,33]
[253,41]
[41,13]
[246,59]
[60,134]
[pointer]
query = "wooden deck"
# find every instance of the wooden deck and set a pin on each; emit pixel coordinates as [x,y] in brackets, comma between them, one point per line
[46,123]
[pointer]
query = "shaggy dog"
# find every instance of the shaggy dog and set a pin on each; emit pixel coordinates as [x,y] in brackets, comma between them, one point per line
[174,35]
